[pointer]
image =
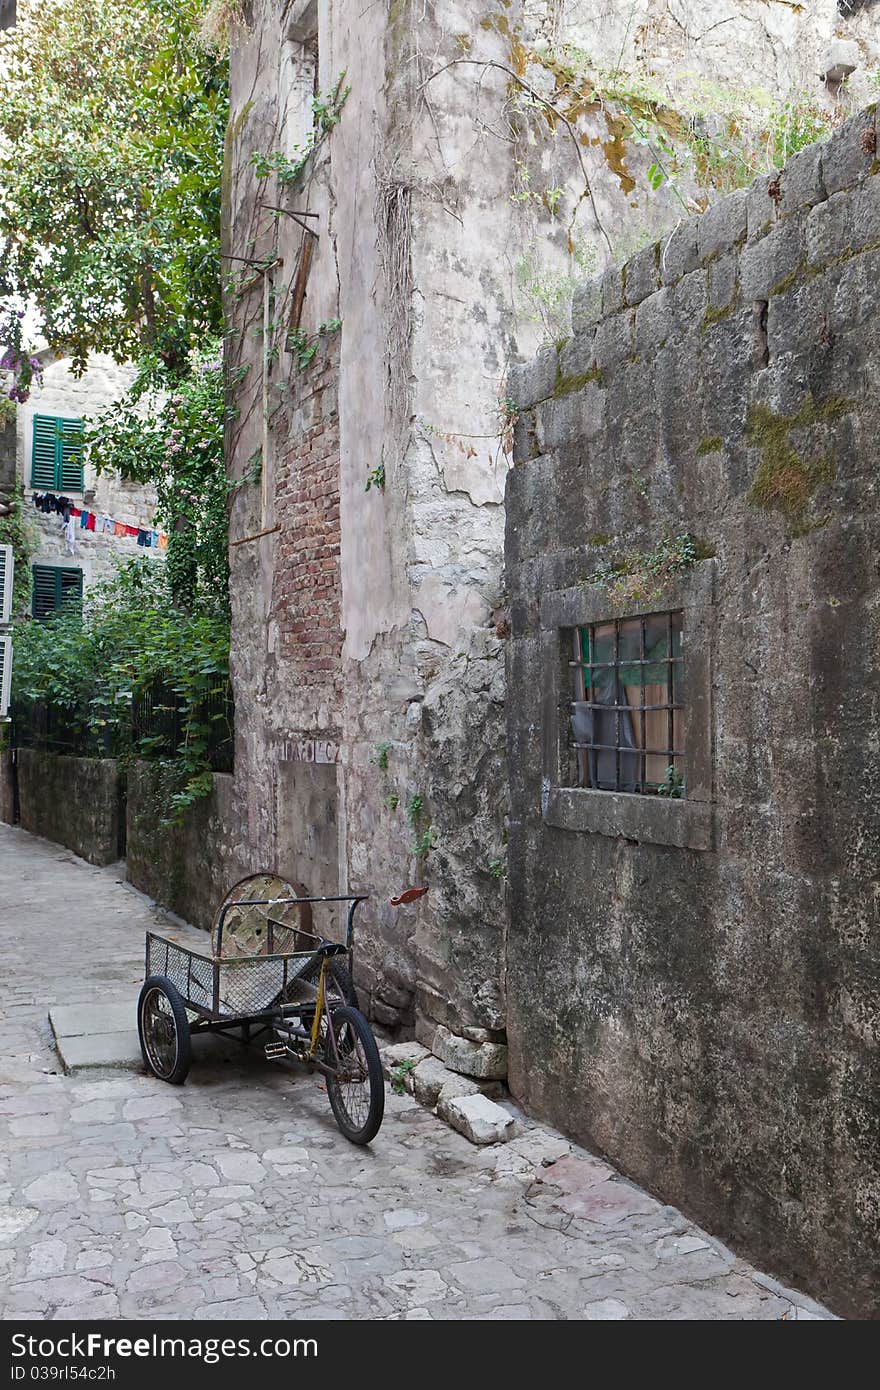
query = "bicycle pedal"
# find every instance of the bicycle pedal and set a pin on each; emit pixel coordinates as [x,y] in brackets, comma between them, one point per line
[274,1051]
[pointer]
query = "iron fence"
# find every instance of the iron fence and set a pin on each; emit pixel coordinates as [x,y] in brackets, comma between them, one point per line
[153,724]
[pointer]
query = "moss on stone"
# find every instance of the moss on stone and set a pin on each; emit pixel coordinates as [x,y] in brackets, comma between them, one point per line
[713,315]
[785,482]
[566,384]
[709,444]
[599,538]
[790,279]
[238,121]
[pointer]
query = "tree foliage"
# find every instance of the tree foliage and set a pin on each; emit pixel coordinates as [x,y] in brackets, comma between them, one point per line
[112,121]
[174,438]
[91,664]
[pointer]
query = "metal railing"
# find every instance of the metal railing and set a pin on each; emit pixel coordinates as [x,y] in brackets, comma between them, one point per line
[153,726]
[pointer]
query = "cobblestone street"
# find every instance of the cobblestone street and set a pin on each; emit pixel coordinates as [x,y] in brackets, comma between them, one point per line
[236,1197]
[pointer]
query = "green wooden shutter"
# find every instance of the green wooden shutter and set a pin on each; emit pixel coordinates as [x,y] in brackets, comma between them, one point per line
[70,465]
[54,585]
[43,461]
[5,673]
[57,457]
[7,570]
[71,586]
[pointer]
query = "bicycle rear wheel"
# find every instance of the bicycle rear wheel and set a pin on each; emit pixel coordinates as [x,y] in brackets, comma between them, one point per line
[355,1085]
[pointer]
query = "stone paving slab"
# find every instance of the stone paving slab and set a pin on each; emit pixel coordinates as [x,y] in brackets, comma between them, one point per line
[235,1196]
[99,1050]
[102,1033]
[103,1016]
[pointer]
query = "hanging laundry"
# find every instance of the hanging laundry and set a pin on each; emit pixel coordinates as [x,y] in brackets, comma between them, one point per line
[163,542]
[154,539]
[70,535]
[118,528]
[131,530]
[83,519]
[90,521]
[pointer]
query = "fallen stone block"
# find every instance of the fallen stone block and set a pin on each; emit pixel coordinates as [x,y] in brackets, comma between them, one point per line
[458,1085]
[486,1060]
[477,1118]
[429,1078]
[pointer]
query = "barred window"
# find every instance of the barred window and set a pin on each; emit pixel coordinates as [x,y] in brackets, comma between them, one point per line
[628,712]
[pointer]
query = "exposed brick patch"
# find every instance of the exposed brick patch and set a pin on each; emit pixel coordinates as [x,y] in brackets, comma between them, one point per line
[307,588]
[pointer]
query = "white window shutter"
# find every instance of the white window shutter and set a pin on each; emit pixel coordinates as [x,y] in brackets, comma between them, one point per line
[7,565]
[5,673]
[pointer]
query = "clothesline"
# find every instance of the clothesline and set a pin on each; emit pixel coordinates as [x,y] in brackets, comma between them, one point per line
[99,522]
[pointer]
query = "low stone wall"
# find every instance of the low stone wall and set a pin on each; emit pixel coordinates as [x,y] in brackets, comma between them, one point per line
[187,868]
[7,791]
[74,801]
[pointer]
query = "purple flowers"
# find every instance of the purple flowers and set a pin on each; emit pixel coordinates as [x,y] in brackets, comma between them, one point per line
[26,368]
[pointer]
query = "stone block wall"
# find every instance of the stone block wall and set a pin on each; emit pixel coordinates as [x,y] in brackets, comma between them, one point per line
[76,802]
[93,808]
[693,986]
[189,869]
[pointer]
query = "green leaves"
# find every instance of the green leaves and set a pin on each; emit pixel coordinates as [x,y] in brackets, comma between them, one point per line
[326,112]
[169,431]
[130,637]
[112,122]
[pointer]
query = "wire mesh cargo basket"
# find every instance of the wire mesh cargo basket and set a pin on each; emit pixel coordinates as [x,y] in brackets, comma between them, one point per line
[227,986]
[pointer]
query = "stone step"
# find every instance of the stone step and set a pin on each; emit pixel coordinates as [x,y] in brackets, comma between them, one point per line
[97,1035]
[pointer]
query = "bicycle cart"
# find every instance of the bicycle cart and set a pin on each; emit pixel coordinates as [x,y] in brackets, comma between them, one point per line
[269,973]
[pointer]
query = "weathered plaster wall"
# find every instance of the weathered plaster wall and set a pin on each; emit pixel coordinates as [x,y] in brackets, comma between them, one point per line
[75,801]
[709,1016]
[780,44]
[659,108]
[395,645]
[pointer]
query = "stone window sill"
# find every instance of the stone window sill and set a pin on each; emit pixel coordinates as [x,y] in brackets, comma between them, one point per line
[651,819]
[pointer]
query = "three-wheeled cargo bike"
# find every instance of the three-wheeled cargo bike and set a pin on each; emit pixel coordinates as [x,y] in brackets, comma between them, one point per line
[269,975]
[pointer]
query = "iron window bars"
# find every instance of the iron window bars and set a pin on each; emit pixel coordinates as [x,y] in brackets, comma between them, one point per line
[627,717]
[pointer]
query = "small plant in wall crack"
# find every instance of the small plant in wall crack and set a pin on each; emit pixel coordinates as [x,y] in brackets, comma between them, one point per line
[643,576]
[400,1073]
[426,837]
[326,113]
[672,784]
[379,757]
[376,478]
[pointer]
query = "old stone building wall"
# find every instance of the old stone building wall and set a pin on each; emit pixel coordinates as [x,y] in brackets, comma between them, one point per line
[485,156]
[366,664]
[69,397]
[692,980]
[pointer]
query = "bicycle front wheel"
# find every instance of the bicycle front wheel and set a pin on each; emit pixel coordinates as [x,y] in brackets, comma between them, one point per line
[355,1084]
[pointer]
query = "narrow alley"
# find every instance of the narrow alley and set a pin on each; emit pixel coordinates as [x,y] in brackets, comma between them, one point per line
[236,1197]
